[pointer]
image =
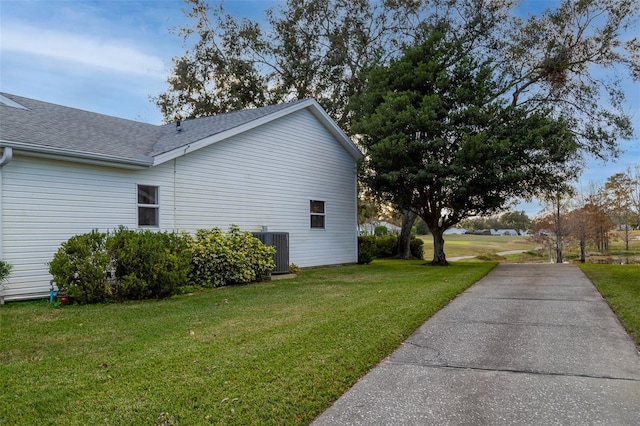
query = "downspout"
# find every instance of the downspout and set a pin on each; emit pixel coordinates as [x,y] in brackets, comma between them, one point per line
[175,205]
[7,156]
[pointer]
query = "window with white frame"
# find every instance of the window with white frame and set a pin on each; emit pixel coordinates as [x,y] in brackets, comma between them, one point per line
[316,208]
[148,206]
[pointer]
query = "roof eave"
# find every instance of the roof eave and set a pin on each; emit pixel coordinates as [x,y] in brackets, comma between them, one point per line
[20,148]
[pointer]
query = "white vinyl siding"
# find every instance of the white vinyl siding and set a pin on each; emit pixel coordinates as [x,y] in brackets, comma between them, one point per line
[264,177]
[46,202]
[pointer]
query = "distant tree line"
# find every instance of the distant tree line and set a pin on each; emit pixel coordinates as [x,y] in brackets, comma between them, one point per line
[517,220]
[587,217]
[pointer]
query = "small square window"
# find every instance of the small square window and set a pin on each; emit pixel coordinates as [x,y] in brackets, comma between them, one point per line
[148,207]
[316,208]
[147,216]
[147,194]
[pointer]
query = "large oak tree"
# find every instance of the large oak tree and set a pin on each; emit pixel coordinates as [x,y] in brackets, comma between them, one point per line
[441,141]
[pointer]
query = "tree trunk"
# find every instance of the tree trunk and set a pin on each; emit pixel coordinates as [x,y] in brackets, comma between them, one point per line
[626,233]
[559,249]
[583,243]
[439,258]
[404,244]
[559,231]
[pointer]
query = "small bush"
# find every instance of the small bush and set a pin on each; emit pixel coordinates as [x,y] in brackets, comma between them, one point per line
[208,255]
[371,247]
[421,227]
[253,259]
[417,249]
[294,269]
[380,230]
[235,258]
[149,264]
[366,249]
[80,267]
[387,246]
[365,257]
[5,270]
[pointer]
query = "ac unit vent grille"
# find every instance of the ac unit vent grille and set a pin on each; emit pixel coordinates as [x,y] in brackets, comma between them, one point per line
[279,240]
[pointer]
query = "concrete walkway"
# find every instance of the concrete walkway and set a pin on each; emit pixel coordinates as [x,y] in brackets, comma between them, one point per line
[528,344]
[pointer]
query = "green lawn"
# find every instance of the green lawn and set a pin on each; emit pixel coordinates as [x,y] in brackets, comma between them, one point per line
[620,285]
[485,247]
[272,353]
[475,245]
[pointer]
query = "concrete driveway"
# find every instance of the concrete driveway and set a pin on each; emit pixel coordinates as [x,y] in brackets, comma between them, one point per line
[527,345]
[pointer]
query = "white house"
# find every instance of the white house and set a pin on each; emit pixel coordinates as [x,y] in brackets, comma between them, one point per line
[284,168]
[511,232]
[455,231]
[369,228]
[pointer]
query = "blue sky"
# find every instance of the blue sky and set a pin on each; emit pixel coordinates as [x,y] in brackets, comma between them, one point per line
[110,56]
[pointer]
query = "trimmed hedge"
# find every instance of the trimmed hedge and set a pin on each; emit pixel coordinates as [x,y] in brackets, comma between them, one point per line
[127,264]
[416,247]
[148,264]
[233,258]
[367,249]
[80,267]
[372,247]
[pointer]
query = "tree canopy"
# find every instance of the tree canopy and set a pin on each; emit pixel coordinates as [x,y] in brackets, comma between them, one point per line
[311,48]
[574,59]
[441,141]
[571,58]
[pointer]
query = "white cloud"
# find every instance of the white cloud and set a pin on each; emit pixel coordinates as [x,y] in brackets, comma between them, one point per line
[118,56]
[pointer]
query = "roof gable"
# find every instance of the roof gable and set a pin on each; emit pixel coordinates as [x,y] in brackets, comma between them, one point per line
[200,128]
[42,128]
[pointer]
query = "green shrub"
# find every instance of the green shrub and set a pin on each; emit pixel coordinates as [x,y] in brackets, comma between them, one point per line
[380,230]
[366,249]
[80,267]
[235,258]
[5,270]
[148,264]
[387,246]
[253,261]
[294,269]
[371,247]
[417,249]
[365,257]
[208,255]
[421,227]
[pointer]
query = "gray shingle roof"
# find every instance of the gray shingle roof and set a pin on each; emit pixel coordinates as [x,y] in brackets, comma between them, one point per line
[46,125]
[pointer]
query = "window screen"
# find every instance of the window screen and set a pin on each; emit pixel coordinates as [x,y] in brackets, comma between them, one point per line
[148,207]
[317,213]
